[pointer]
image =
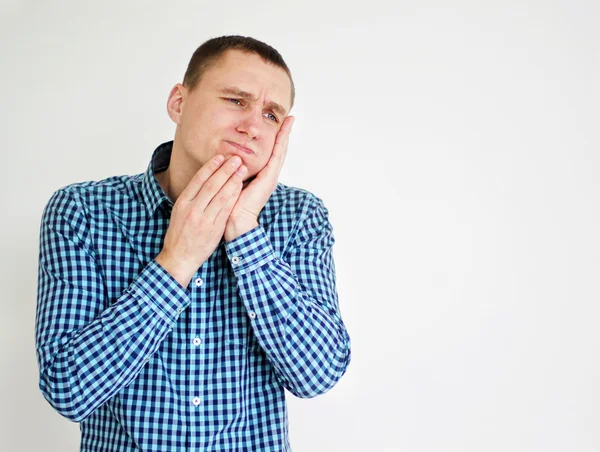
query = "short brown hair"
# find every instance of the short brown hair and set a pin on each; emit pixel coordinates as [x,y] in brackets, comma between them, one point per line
[211,51]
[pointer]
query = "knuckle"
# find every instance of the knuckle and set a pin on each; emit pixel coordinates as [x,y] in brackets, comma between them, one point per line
[199,176]
[229,169]
[192,215]
[234,163]
[222,198]
[200,221]
[209,186]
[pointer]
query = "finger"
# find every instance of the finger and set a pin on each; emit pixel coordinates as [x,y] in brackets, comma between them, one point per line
[223,196]
[201,176]
[283,138]
[280,147]
[222,216]
[284,133]
[216,181]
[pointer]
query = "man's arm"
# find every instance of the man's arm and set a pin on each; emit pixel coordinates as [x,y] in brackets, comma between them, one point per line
[292,302]
[88,347]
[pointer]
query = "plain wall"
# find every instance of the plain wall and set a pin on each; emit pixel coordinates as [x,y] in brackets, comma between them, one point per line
[456,147]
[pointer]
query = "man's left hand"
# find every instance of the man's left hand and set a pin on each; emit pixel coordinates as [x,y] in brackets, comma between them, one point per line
[252,199]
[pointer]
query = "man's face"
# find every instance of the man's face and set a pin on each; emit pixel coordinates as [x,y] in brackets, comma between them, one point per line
[240,100]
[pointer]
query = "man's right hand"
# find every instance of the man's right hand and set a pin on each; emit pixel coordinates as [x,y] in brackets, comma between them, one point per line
[199,217]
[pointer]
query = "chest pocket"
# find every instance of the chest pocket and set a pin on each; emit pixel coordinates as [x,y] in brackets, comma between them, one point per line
[238,331]
[241,336]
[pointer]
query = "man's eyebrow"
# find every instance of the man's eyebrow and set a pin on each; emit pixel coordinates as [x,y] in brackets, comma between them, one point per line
[235,91]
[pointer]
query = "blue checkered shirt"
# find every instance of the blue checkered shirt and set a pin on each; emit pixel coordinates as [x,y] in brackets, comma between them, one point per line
[143,363]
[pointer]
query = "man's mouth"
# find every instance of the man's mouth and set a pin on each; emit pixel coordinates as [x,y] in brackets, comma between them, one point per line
[240,147]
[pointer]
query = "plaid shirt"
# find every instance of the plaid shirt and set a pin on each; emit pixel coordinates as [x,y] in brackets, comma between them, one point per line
[143,363]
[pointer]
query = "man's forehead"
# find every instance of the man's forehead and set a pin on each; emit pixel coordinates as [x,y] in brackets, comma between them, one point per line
[249,73]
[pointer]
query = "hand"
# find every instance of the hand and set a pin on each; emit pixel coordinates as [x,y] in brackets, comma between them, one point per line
[244,216]
[199,217]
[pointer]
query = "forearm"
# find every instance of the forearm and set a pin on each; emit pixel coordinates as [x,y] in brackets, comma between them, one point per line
[308,345]
[82,367]
[299,328]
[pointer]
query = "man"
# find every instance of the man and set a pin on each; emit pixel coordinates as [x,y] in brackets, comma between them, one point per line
[175,306]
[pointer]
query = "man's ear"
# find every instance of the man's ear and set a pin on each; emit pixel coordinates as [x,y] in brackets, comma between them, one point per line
[175,102]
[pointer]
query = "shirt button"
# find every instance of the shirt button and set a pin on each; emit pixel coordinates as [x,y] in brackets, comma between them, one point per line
[252,315]
[197,341]
[235,259]
[199,282]
[196,401]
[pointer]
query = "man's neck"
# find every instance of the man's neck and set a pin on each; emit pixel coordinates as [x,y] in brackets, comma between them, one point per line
[178,175]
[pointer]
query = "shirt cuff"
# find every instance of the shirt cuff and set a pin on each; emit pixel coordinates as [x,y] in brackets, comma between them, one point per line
[250,251]
[155,286]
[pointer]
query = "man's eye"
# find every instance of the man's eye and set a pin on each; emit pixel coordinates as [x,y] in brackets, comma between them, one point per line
[233,101]
[272,116]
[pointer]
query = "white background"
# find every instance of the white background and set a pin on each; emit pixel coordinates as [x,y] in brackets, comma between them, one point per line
[456,147]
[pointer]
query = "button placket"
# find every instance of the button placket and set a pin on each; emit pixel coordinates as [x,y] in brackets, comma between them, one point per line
[196,381]
[198,282]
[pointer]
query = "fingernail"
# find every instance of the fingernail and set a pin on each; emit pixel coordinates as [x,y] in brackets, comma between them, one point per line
[242,170]
[219,159]
[235,160]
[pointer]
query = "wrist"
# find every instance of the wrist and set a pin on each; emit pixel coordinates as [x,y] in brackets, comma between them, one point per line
[237,227]
[179,272]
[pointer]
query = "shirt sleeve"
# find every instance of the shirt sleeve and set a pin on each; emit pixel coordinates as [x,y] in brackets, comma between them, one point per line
[292,302]
[89,347]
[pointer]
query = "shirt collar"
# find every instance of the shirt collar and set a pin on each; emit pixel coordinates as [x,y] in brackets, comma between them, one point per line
[152,193]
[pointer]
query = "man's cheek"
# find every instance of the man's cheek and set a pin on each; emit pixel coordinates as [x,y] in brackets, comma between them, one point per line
[265,160]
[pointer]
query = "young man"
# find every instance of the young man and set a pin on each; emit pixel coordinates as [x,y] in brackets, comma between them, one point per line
[175,306]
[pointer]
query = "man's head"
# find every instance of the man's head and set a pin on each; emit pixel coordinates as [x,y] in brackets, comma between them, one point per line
[209,53]
[236,90]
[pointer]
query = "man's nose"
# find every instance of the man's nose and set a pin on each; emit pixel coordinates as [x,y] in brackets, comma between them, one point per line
[250,123]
